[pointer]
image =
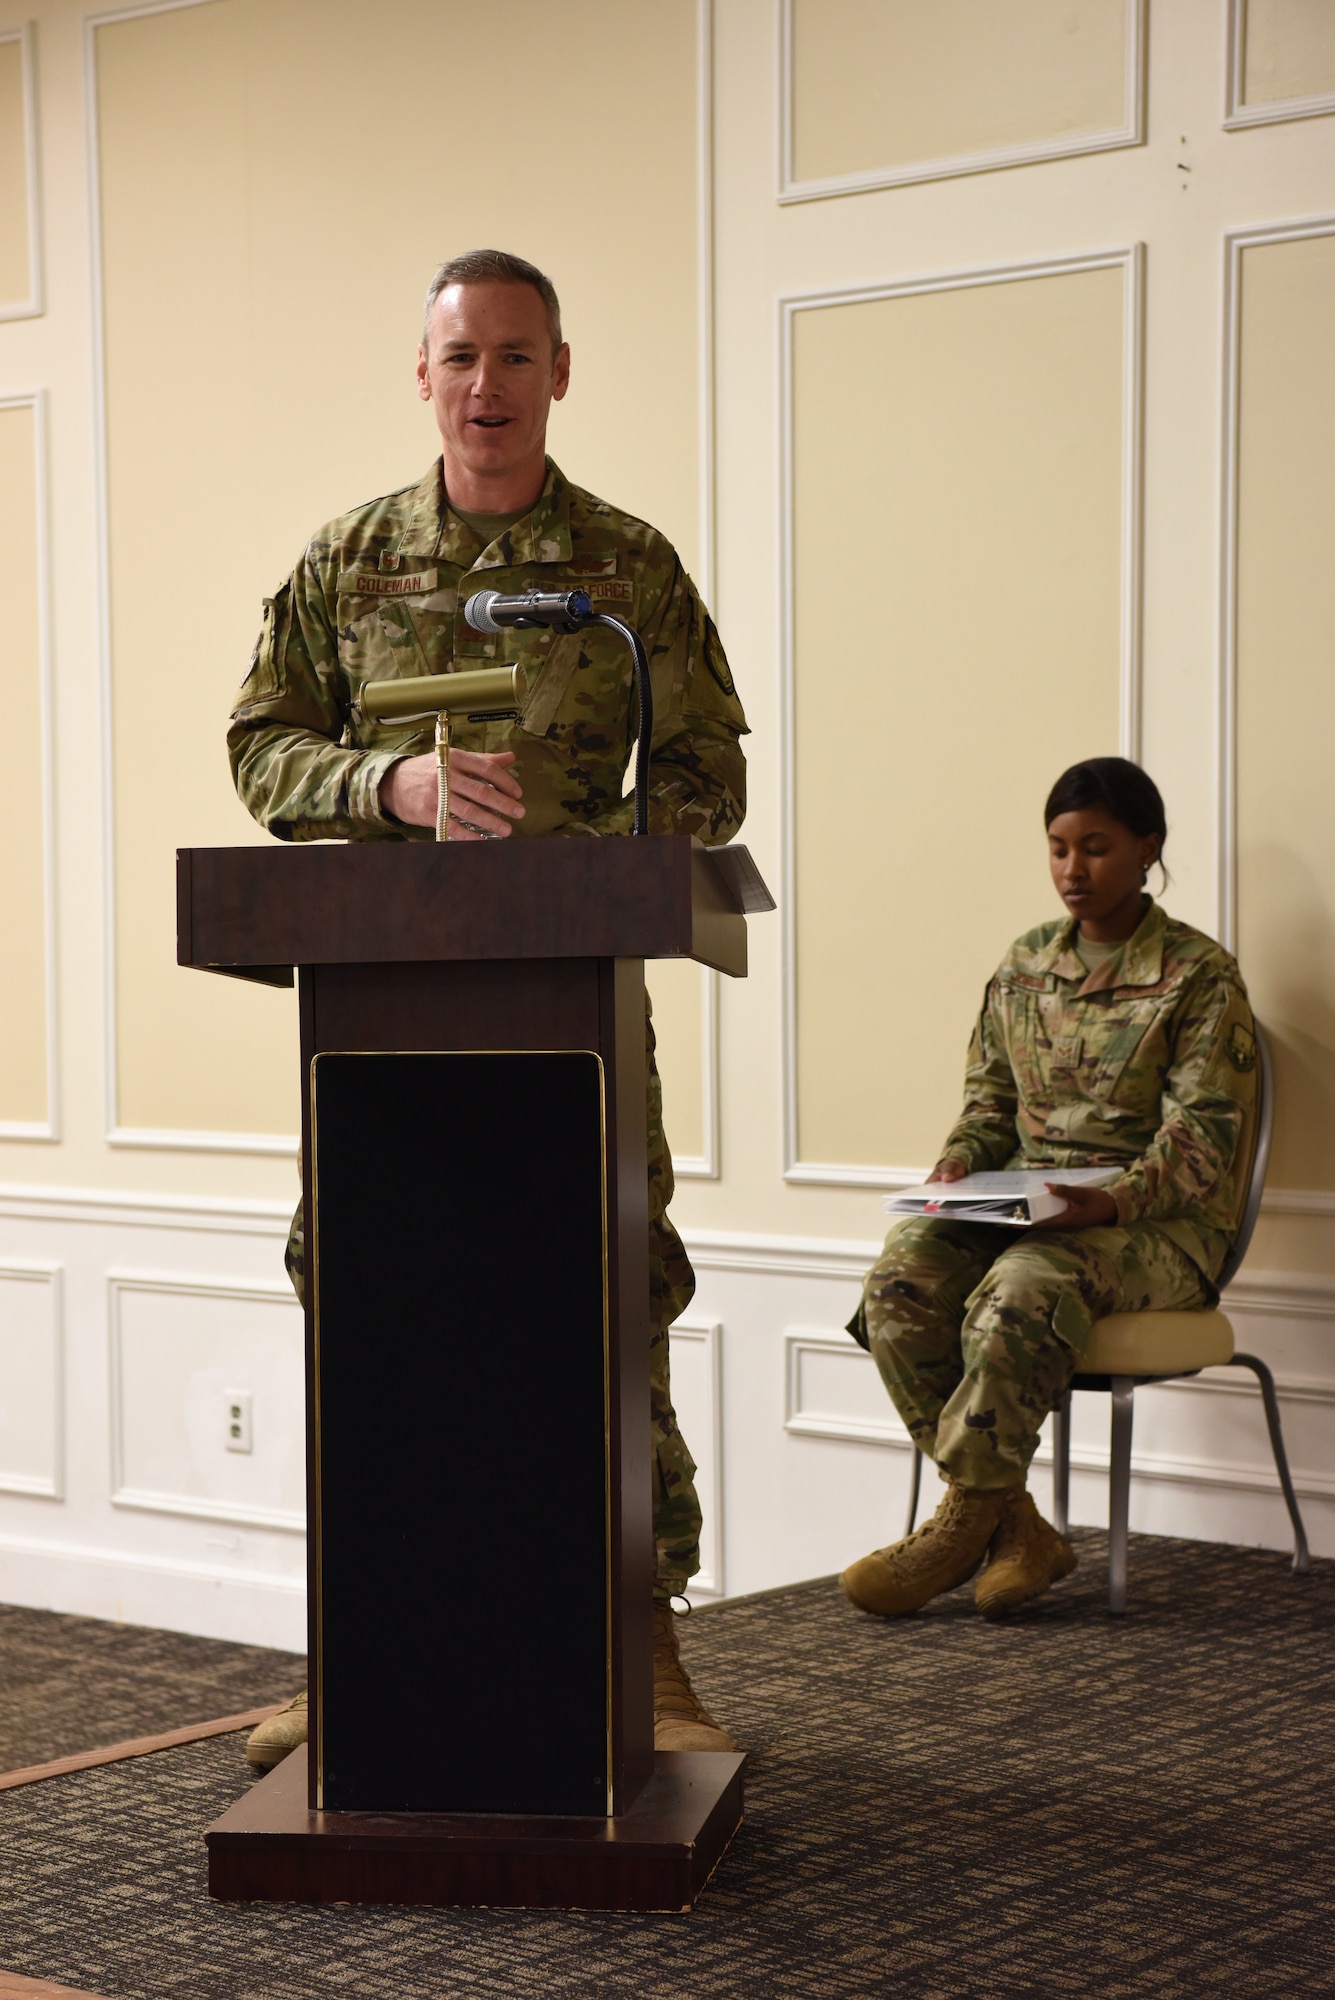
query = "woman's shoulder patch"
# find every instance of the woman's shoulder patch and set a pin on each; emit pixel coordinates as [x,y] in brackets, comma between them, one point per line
[1240,1048]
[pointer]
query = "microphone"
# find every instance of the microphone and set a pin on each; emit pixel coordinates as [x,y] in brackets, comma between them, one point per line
[557,610]
[571,611]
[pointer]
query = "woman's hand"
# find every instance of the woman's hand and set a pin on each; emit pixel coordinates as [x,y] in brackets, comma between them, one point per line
[1086,1208]
[947,1170]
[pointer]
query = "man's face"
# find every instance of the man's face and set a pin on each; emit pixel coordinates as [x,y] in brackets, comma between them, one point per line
[490,377]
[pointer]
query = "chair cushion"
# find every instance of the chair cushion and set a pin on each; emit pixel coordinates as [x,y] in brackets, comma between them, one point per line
[1157,1343]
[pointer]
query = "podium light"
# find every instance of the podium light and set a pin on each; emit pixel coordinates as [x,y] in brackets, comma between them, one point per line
[484,694]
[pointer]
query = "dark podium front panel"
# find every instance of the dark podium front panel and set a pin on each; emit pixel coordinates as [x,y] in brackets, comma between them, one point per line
[458,1250]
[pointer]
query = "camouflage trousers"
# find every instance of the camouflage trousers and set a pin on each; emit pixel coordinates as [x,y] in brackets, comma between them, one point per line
[676,1508]
[977,1331]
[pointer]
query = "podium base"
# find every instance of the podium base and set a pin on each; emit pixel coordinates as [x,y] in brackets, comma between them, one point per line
[271,1847]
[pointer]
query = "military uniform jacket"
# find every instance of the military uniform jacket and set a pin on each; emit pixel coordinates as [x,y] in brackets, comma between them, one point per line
[379,595]
[1148,1063]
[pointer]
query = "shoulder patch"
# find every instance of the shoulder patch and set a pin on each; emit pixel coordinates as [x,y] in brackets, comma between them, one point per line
[1240,1048]
[717,662]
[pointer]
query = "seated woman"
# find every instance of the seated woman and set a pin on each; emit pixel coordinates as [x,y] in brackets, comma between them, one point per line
[1115,1037]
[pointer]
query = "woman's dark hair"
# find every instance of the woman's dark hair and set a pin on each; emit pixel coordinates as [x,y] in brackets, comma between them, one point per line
[1125,792]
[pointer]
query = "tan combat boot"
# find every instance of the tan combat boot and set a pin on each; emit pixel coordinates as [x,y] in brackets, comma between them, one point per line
[937,1557]
[1026,1558]
[681,1720]
[271,1742]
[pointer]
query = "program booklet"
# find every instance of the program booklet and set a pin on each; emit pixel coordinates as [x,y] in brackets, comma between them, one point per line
[1015,1199]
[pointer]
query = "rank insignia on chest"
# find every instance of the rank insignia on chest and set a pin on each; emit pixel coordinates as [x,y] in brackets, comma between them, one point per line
[389,561]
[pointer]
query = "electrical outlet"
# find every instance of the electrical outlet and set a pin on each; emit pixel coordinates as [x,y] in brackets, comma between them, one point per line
[238,1434]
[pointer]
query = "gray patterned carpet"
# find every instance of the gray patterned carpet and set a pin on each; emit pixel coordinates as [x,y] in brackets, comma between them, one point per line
[1058,1805]
[70,1684]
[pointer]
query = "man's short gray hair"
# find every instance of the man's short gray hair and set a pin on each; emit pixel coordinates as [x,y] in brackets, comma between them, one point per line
[489,267]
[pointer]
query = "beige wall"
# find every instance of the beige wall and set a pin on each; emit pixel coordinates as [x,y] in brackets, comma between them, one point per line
[886,84]
[1286,690]
[262,381]
[23,990]
[1288,49]
[988,451]
[15,250]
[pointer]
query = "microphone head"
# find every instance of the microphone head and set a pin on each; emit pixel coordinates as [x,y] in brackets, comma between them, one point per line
[477,611]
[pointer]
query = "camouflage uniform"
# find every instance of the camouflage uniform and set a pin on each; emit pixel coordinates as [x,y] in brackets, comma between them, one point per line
[379,595]
[1147,1063]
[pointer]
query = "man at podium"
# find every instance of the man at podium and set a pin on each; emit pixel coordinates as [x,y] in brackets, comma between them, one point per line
[379,593]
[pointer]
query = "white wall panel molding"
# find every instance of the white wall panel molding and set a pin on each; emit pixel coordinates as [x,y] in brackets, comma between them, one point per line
[806,1414]
[47,1128]
[32,305]
[168,1140]
[262,1465]
[1238,114]
[1130,259]
[1236,243]
[1298,1201]
[116,1133]
[705,1166]
[156,1139]
[697,1395]
[780,1256]
[857,1418]
[1130,132]
[25,1201]
[32,1378]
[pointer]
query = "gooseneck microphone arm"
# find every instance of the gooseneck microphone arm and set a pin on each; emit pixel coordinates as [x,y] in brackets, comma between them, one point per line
[572,611]
[645,726]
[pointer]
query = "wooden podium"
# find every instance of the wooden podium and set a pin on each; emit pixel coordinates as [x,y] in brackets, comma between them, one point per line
[478,1449]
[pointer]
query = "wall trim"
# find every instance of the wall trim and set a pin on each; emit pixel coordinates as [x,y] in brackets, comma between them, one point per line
[1130,259]
[135,1559]
[1238,114]
[34,304]
[1229,1473]
[22,1201]
[189,1506]
[706,1166]
[116,1133]
[1235,243]
[41,1271]
[1131,132]
[1298,1201]
[816,1423]
[709,1332]
[47,1128]
[171,1140]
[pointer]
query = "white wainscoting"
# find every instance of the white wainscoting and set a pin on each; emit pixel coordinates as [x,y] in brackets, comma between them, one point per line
[32,1379]
[118,1499]
[165,1303]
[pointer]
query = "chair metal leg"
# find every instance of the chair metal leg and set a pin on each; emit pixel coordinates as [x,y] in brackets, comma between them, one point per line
[1119,1490]
[1301,1560]
[915,1488]
[1061,1462]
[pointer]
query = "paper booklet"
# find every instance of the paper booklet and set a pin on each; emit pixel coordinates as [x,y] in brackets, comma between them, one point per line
[1014,1200]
